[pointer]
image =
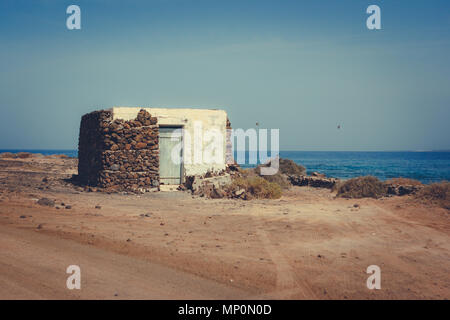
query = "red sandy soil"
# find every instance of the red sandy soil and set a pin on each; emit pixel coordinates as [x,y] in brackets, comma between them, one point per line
[306,245]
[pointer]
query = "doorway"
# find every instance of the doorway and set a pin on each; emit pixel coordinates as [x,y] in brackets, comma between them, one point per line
[170,161]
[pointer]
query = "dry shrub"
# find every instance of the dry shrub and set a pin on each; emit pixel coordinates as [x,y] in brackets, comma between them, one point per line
[404,181]
[257,187]
[361,187]
[7,155]
[251,172]
[289,167]
[24,155]
[286,167]
[436,193]
[280,179]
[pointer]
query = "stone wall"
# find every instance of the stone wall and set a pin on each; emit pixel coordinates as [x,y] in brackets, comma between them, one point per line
[119,154]
[193,121]
[316,182]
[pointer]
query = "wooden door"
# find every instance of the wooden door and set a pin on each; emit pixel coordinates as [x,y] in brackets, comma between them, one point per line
[170,165]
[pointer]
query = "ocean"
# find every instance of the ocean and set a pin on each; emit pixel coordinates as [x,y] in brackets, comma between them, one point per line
[426,167]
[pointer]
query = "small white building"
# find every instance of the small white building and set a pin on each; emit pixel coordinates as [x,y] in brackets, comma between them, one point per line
[178,142]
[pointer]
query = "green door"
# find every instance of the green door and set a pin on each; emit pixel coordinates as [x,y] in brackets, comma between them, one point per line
[170,168]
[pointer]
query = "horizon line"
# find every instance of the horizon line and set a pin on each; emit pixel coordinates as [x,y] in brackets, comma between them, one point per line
[63,149]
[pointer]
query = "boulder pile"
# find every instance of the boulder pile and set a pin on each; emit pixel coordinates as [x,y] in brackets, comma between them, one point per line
[402,190]
[212,186]
[313,181]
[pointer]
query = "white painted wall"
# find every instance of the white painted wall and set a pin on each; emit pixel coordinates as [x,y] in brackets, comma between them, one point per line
[186,117]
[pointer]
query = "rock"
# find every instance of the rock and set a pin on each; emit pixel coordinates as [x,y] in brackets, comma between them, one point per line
[155,183]
[239,192]
[316,182]
[217,193]
[140,145]
[22,217]
[119,155]
[317,174]
[46,202]
[98,207]
[401,190]
[208,186]
[68,207]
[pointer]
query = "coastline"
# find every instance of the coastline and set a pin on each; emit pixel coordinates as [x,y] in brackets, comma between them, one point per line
[288,248]
[424,166]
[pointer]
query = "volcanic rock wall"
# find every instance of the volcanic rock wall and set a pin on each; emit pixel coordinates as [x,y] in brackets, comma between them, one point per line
[119,155]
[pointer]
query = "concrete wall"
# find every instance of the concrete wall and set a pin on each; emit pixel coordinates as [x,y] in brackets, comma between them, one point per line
[186,118]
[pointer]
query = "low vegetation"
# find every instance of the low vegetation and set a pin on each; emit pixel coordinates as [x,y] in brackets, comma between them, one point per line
[361,187]
[286,167]
[436,193]
[404,181]
[265,186]
[7,155]
[256,187]
[278,178]
[291,168]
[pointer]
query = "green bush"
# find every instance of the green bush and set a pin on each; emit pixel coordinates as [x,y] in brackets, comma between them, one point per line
[361,187]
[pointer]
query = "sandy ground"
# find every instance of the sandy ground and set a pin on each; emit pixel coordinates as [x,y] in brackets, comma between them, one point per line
[170,245]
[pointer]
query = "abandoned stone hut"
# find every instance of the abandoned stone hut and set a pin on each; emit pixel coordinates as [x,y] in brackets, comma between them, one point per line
[133,148]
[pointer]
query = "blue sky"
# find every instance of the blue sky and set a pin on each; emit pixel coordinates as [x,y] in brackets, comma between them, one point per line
[301,66]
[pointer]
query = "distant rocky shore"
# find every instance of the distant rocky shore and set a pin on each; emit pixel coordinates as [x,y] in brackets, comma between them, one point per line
[290,174]
[26,155]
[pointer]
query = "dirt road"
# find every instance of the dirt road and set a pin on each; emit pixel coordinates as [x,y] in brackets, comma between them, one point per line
[306,245]
[33,266]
